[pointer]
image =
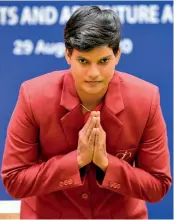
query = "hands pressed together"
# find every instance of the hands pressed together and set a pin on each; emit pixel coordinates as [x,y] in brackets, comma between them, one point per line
[92,143]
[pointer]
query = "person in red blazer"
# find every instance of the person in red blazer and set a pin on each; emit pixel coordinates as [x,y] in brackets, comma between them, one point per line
[90,141]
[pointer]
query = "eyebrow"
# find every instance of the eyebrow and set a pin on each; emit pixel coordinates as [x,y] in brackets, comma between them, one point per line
[105,57]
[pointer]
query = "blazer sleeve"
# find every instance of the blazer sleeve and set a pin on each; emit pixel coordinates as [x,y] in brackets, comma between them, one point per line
[23,175]
[150,178]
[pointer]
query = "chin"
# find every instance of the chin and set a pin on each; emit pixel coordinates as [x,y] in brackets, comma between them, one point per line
[92,90]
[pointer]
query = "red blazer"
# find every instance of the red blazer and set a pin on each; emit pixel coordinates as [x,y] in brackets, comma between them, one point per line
[40,166]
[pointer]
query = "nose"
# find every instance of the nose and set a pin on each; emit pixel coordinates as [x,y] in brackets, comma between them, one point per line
[93,72]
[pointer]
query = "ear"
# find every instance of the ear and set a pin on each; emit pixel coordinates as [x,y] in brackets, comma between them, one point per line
[117,56]
[68,56]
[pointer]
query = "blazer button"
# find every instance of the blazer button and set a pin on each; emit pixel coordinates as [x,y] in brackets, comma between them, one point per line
[70,181]
[65,182]
[111,184]
[116,186]
[61,184]
[85,196]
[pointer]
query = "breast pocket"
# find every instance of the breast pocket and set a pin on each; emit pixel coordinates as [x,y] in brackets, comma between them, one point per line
[127,155]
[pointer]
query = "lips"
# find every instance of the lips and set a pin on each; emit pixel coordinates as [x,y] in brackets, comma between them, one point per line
[93,81]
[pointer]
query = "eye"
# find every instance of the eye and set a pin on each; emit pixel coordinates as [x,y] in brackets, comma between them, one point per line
[104,60]
[82,61]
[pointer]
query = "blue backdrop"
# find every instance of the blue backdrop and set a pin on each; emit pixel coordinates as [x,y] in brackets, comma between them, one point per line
[31,44]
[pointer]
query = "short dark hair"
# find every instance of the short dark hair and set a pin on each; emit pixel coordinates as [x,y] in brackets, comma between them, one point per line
[90,27]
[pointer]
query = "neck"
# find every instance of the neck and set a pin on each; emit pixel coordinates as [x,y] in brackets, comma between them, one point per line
[91,101]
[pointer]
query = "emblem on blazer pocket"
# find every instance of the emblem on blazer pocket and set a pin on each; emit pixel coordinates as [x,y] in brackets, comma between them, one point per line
[124,155]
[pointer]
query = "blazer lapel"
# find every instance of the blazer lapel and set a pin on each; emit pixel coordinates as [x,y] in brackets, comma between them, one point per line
[111,114]
[73,121]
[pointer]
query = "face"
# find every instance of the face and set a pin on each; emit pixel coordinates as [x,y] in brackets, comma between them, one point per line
[92,71]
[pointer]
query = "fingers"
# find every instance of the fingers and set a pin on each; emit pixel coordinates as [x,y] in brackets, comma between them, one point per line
[93,114]
[98,122]
[97,136]
[91,126]
[87,124]
[92,137]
